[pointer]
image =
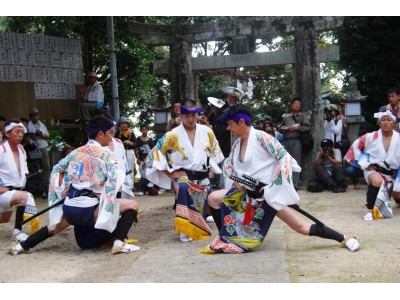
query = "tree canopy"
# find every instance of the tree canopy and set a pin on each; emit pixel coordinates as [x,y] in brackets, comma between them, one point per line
[368,52]
[367,47]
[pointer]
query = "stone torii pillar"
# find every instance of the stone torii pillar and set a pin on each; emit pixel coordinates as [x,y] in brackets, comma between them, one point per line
[182,83]
[308,88]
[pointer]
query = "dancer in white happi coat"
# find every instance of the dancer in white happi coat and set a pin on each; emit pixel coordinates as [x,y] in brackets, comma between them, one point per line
[13,172]
[377,153]
[244,213]
[187,154]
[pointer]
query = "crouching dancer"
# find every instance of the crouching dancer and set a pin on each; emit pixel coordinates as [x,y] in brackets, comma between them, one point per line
[243,214]
[13,171]
[91,179]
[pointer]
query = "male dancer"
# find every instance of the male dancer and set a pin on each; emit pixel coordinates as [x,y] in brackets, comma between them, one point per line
[13,172]
[91,182]
[187,154]
[243,214]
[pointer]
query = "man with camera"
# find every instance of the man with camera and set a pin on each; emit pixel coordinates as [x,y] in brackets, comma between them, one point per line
[333,126]
[329,169]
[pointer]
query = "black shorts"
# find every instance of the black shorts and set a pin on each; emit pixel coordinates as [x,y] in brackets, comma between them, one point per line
[83,216]
[86,235]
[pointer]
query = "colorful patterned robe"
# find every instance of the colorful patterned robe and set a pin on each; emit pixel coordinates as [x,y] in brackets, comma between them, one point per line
[246,221]
[88,167]
[173,152]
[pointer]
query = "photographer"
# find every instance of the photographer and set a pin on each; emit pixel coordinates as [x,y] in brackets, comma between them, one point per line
[329,170]
[333,125]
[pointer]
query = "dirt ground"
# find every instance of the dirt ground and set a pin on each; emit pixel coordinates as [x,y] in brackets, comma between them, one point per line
[306,259]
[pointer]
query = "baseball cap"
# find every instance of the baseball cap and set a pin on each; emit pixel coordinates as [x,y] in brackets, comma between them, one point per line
[33,111]
[326,143]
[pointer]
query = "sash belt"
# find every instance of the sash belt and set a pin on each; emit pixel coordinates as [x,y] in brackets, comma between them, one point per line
[195,175]
[73,193]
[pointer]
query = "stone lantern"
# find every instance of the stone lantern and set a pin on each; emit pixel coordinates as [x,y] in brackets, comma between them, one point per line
[162,112]
[352,109]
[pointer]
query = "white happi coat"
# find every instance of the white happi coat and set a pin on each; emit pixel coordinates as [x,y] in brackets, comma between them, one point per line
[120,156]
[183,154]
[369,150]
[267,161]
[9,174]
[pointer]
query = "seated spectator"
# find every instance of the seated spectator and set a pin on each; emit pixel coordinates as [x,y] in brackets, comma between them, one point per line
[93,98]
[329,170]
[355,172]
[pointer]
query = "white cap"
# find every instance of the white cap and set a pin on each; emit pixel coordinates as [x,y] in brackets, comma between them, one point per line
[216,102]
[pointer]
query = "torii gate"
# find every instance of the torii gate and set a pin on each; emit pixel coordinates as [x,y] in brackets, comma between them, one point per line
[306,57]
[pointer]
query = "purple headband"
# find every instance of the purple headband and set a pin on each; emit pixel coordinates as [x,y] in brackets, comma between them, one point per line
[239,116]
[236,117]
[185,111]
[95,131]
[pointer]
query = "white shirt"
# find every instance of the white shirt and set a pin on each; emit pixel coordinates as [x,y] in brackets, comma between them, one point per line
[95,93]
[332,130]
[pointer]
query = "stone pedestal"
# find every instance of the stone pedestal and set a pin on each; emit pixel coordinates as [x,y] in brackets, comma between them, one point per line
[353,125]
[353,121]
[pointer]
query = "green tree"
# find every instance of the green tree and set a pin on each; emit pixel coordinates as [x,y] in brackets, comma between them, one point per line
[136,84]
[368,52]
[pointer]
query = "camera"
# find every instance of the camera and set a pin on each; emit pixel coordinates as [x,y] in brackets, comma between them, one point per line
[327,114]
[325,144]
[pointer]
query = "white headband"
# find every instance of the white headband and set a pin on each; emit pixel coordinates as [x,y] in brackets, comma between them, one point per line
[380,115]
[12,125]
